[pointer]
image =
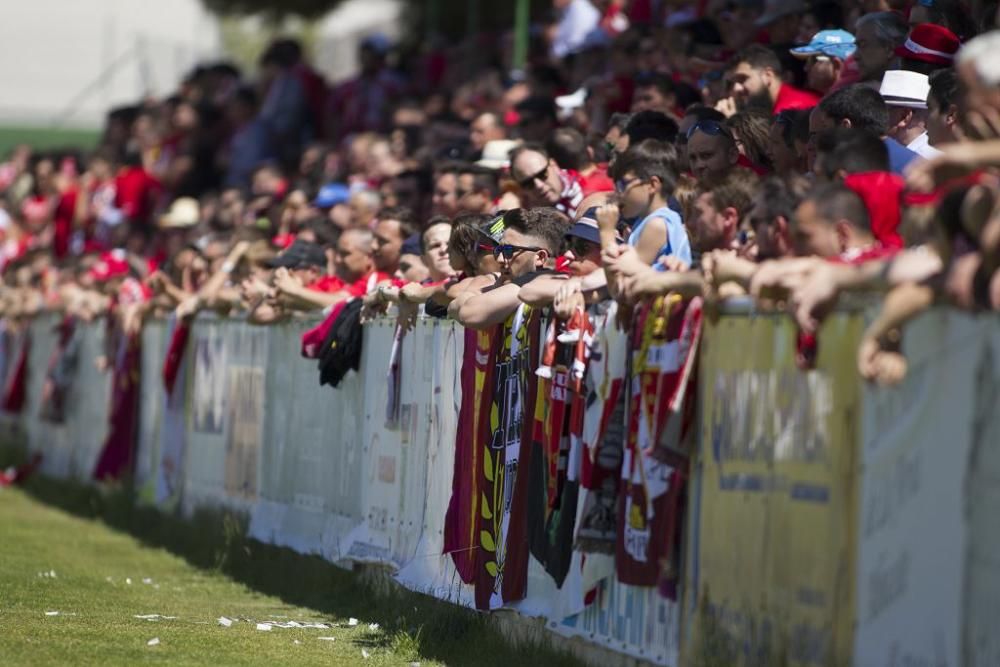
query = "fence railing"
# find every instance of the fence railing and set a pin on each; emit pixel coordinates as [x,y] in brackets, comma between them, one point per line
[824,521]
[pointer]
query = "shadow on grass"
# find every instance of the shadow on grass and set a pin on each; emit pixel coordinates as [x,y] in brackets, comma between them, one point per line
[217,541]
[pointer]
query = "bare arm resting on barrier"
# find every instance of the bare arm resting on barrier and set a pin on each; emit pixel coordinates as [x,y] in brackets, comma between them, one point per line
[543,290]
[487,309]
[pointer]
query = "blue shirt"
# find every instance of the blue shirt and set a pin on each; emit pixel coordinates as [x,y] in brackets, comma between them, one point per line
[677,243]
[899,155]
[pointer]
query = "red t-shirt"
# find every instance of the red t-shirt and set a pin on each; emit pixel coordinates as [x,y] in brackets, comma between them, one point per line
[135,191]
[597,181]
[790,97]
[331,284]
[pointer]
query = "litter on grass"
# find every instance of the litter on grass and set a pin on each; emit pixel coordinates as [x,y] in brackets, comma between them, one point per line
[264,627]
[352,622]
[147,581]
[365,654]
[373,626]
[153,642]
[225,622]
[327,639]
[128,580]
[155,617]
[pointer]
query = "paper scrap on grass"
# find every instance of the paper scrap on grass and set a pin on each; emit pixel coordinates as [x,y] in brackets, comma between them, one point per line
[128,580]
[147,580]
[365,654]
[264,627]
[352,622]
[327,639]
[225,622]
[373,626]
[153,642]
[154,617]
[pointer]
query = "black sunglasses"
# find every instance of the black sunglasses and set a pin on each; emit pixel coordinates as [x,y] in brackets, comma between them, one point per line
[507,251]
[580,247]
[529,181]
[710,127]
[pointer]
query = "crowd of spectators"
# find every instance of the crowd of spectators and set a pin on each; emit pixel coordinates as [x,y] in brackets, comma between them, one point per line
[788,150]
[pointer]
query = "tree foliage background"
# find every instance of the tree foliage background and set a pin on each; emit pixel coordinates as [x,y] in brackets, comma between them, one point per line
[451,19]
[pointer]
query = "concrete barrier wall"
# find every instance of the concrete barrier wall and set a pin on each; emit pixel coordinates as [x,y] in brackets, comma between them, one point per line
[827,522]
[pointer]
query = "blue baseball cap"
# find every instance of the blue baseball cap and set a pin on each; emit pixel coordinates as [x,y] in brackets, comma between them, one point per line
[833,43]
[332,194]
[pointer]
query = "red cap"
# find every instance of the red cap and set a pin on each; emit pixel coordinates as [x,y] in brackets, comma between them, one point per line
[930,43]
[111,265]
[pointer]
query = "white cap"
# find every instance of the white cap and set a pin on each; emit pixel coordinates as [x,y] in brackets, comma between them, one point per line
[496,153]
[902,88]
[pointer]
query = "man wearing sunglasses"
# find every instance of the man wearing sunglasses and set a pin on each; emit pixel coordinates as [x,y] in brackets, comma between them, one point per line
[532,239]
[825,56]
[543,182]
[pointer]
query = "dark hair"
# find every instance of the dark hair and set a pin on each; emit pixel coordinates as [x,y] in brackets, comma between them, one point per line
[779,197]
[794,125]
[483,178]
[827,14]
[734,190]
[619,120]
[835,202]
[528,148]
[467,232]
[751,128]
[890,27]
[324,230]
[404,216]
[758,57]
[568,148]
[861,105]
[852,151]
[701,112]
[663,83]
[537,107]
[647,159]
[944,88]
[686,94]
[544,223]
[651,125]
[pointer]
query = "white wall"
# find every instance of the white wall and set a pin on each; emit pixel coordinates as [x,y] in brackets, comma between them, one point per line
[54,50]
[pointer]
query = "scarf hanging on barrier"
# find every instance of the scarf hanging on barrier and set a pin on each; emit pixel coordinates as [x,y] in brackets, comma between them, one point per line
[119,448]
[602,434]
[61,372]
[16,387]
[663,352]
[502,565]
[558,424]
[461,526]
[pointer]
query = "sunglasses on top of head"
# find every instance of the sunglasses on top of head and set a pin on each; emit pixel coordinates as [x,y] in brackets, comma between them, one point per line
[712,128]
[507,251]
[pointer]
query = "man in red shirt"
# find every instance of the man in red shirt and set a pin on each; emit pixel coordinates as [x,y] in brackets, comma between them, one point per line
[753,79]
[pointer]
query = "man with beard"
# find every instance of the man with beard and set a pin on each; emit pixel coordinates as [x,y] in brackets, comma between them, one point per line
[753,79]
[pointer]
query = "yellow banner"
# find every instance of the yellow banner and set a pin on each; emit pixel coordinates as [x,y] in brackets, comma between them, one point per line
[772,518]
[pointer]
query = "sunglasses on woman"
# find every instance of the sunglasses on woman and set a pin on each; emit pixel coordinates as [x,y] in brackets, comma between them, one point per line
[507,251]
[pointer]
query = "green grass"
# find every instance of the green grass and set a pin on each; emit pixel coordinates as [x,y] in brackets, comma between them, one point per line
[201,570]
[42,138]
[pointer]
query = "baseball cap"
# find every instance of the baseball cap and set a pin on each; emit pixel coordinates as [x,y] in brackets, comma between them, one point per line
[300,255]
[332,194]
[586,227]
[833,43]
